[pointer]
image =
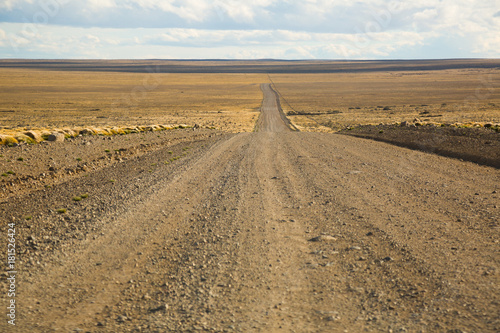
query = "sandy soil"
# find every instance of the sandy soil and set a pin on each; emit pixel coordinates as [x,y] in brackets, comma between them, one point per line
[272,231]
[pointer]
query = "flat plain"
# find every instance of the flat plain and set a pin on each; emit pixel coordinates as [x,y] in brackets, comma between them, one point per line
[243,223]
[350,99]
[37,98]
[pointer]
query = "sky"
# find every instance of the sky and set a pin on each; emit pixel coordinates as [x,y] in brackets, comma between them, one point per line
[249,29]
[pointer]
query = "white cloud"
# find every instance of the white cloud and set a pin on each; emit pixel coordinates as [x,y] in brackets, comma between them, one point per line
[487,45]
[92,39]
[299,52]
[237,11]
[7,4]
[426,15]
[99,4]
[306,28]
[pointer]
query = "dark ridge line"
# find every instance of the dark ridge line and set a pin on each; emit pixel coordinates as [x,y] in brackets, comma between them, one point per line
[254,66]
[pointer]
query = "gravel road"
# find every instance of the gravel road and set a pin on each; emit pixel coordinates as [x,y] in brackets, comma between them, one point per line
[271,231]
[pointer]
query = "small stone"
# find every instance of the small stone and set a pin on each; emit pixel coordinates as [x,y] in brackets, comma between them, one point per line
[121,319]
[333,317]
[323,238]
[162,307]
[56,137]
[355,248]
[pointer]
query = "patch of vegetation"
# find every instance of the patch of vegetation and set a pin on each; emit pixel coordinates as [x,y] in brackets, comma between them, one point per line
[62,211]
[4,175]
[10,172]
[112,180]
[84,196]
[27,218]
[107,150]
[170,152]
[24,138]
[79,159]
[77,198]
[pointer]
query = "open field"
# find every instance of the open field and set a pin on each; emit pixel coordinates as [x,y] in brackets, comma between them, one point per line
[318,96]
[266,230]
[57,99]
[349,99]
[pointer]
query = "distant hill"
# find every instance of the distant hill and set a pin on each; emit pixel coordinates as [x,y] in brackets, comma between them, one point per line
[249,66]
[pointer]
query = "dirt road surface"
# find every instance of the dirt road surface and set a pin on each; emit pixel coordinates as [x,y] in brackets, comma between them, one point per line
[271,231]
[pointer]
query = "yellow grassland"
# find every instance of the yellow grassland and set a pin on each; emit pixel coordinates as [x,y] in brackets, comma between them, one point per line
[460,97]
[107,103]
[53,100]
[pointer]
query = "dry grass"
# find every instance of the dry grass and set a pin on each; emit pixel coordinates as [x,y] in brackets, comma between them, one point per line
[53,100]
[336,101]
[35,102]
[15,135]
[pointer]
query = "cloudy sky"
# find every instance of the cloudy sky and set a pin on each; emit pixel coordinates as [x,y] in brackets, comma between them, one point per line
[249,29]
